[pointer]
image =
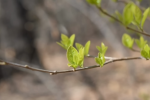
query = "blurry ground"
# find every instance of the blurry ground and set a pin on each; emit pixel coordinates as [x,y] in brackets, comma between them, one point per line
[29,30]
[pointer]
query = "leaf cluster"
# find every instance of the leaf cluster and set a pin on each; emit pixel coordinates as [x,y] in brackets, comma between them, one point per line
[75,55]
[127,41]
[100,59]
[66,42]
[141,43]
[132,14]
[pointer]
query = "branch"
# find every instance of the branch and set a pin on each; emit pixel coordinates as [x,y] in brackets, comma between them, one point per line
[65,71]
[110,58]
[129,28]
[107,14]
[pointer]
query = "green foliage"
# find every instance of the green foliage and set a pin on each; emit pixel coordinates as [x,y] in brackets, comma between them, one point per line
[81,57]
[100,59]
[94,2]
[145,15]
[131,14]
[128,14]
[102,49]
[74,57]
[127,41]
[145,52]
[78,46]
[140,42]
[137,15]
[66,42]
[72,39]
[86,47]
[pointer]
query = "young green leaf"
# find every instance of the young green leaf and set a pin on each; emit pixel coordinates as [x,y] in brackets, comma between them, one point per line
[78,46]
[63,46]
[128,14]
[64,37]
[127,41]
[100,59]
[137,15]
[94,2]
[145,52]
[87,47]
[81,57]
[140,42]
[66,42]
[72,39]
[72,56]
[145,14]
[102,49]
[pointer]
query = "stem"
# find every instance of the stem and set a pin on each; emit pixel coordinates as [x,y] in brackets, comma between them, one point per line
[129,28]
[107,14]
[90,56]
[4,63]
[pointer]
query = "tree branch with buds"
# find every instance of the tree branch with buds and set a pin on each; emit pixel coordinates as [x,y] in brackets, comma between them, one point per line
[6,63]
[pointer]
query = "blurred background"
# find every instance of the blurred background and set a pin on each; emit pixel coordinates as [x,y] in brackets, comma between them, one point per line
[29,30]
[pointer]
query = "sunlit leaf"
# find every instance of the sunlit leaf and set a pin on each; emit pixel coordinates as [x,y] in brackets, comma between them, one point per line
[66,42]
[72,39]
[72,56]
[137,14]
[140,42]
[87,47]
[100,59]
[127,41]
[78,46]
[145,52]
[64,37]
[128,14]
[102,49]
[61,45]
[81,57]
[145,14]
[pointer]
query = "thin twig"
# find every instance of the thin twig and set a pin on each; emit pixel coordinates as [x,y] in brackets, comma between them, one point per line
[65,71]
[129,28]
[91,56]
[107,14]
